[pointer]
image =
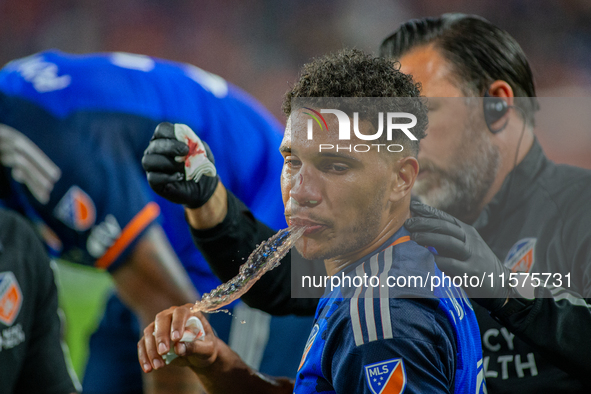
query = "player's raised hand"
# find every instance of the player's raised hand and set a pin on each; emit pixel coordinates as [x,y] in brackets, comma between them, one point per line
[179,166]
[460,251]
[169,331]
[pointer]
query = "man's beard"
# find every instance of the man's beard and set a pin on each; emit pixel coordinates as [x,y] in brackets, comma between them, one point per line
[460,189]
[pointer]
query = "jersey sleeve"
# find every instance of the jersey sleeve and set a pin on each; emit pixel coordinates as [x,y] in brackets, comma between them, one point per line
[44,369]
[96,202]
[419,356]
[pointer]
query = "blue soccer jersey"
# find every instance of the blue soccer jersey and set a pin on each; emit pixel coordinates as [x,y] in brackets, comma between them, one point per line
[382,339]
[76,127]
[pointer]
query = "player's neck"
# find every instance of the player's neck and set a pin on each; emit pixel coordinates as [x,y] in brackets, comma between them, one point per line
[338,263]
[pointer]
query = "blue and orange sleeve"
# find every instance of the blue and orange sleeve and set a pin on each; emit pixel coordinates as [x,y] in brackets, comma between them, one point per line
[130,233]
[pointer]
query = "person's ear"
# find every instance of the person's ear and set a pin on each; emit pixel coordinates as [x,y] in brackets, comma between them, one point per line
[405,174]
[502,90]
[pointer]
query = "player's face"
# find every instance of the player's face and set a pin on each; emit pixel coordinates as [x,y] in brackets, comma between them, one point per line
[342,196]
[458,162]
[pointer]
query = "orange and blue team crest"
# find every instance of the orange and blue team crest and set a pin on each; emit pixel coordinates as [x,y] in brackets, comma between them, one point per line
[309,344]
[76,209]
[521,256]
[386,377]
[11,298]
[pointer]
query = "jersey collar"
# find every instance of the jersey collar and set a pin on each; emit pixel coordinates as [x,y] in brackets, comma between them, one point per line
[400,233]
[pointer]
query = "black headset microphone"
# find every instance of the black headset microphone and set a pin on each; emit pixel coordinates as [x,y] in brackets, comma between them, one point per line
[494,109]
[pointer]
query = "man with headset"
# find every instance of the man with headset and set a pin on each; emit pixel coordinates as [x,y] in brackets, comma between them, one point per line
[481,163]
[529,215]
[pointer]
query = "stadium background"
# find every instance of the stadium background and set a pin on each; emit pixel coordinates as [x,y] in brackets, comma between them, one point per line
[260,44]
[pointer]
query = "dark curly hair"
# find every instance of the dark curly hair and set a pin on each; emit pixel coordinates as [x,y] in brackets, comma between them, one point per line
[353,73]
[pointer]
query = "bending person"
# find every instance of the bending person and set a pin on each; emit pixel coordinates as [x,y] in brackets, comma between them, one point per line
[73,129]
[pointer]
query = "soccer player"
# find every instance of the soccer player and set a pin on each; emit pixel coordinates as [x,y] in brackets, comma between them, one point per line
[531,213]
[364,340]
[30,328]
[73,129]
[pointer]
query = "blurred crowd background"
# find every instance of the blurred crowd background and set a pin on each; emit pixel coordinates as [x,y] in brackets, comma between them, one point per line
[259,45]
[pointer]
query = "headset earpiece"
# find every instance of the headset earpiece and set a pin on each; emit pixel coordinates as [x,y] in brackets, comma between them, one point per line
[494,109]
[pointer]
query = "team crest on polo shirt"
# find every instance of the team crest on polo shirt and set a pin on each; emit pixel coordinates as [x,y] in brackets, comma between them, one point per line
[11,298]
[76,209]
[309,343]
[386,377]
[521,256]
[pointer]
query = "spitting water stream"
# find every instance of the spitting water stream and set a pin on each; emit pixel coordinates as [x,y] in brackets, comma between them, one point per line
[264,258]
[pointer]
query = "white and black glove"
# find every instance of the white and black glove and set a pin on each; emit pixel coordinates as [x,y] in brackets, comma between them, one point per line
[460,251]
[180,167]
